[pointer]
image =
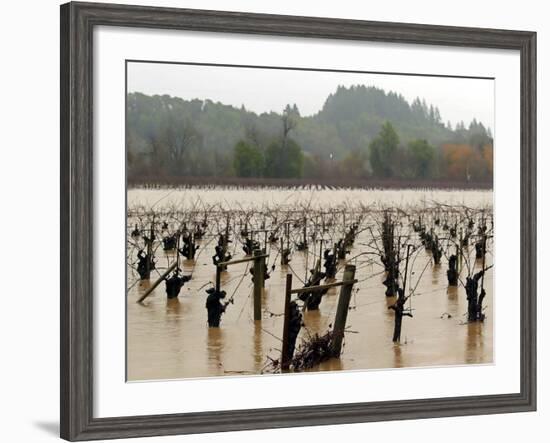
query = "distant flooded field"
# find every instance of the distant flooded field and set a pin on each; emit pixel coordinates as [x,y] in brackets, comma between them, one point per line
[170,338]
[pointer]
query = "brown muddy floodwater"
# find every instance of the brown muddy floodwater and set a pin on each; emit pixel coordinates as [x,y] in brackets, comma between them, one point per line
[170,339]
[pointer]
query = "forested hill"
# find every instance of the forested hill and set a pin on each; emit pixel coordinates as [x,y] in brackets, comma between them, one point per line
[176,137]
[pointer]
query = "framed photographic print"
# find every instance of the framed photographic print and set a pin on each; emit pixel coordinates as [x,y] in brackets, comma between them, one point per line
[273,221]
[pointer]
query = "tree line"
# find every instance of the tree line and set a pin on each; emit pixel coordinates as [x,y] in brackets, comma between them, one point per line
[360,132]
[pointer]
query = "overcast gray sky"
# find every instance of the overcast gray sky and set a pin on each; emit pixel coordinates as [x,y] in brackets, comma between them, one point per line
[264,90]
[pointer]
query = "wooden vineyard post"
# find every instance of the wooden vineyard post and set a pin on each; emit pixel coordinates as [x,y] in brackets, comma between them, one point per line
[218,278]
[257,257]
[285,358]
[258,284]
[191,247]
[406,267]
[459,249]
[263,267]
[149,261]
[342,310]
[484,240]
[284,256]
[305,233]
[288,236]
[178,251]
[458,252]
[225,242]
[226,239]
[320,254]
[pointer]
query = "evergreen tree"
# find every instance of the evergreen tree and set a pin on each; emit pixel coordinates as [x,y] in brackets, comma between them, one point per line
[422,158]
[382,151]
[248,160]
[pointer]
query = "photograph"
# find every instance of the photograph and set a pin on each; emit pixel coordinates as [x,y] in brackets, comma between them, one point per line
[284,220]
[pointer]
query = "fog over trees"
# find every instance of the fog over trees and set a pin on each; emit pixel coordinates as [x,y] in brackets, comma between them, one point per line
[360,133]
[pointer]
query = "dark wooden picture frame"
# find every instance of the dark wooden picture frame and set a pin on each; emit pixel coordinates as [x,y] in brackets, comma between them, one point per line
[77,216]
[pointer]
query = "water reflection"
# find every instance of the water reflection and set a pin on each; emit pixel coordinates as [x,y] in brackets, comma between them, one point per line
[313,319]
[170,338]
[474,342]
[452,292]
[257,338]
[215,340]
[334,364]
[173,308]
[436,272]
[397,355]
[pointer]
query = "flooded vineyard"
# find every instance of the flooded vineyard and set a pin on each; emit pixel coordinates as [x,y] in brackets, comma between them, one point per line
[379,279]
